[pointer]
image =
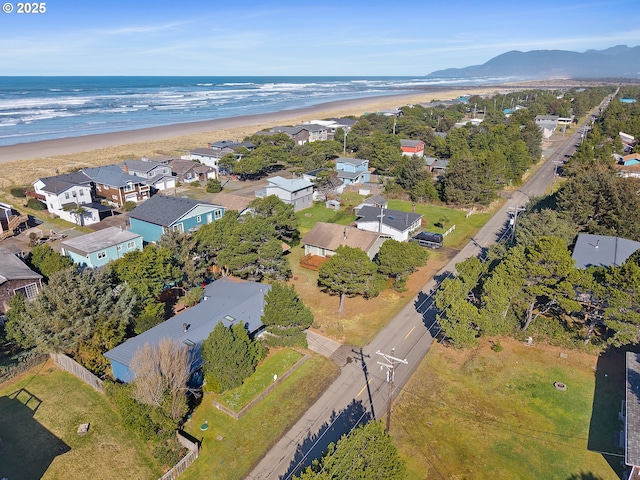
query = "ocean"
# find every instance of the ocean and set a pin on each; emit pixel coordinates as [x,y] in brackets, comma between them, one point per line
[42,108]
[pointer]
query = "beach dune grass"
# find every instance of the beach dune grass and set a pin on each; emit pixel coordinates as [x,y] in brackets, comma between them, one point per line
[231,447]
[276,363]
[496,415]
[40,412]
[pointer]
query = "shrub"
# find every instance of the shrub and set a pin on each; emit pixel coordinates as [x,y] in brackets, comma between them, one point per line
[193,296]
[496,346]
[214,185]
[35,204]
[17,192]
[128,206]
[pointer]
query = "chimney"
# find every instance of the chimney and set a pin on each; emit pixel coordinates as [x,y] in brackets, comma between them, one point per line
[185,327]
[597,243]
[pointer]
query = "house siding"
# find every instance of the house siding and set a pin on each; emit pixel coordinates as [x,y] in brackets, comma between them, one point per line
[149,231]
[7,290]
[112,253]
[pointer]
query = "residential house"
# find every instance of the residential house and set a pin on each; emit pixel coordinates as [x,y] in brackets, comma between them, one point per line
[10,220]
[188,171]
[631,159]
[334,124]
[396,224]
[157,173]
[390,113]
[227,301]
[161,214]
[70,196]
[100,247]
[16,277]
[628,141]
[353,171]
[547,124]
[377,200]
[117,187]
[602,250]
[302,134]
[439,166]
[207,156]
[324,238]
[297,192]
[232,202]
[412,147]
[627,100]
[330,185]
[228,146]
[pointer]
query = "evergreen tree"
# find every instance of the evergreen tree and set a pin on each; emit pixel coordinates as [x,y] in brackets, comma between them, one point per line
[285,316]
[349,272]
[46,261]
[398,259]
[366,453]
[230,356]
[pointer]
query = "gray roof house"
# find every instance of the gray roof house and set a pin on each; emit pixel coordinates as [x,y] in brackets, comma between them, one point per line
[297,191]
[602,250]
[116,186]
[396,224]
[161,213]
[227,301]
[324,238]
[157,173]
[100,247]
[16,277]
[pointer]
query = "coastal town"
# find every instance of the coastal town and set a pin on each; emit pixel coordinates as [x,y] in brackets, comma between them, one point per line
[183,297]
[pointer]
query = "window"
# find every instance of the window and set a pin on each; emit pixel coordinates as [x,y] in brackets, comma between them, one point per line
[118,247]
[66,195]
[217,214]
[131,244]
[129,187]
[102,255]
[199,218]
[29,291]
[81,192]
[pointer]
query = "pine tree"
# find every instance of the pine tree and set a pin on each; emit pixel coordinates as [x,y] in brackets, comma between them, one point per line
[285,316]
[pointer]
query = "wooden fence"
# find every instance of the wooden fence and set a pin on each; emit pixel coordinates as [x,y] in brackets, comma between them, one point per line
[74,368]
[188,459]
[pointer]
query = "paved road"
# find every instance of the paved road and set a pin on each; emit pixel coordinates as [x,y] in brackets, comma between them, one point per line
[361,390]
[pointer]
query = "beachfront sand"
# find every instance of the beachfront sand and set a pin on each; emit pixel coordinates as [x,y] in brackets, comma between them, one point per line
[24,163]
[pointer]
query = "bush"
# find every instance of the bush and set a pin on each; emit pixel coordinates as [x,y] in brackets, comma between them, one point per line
[193,296]
[17,192]
[195,184]
[128,206]
[211,384]
[214,185]
[496,346]
[36,204]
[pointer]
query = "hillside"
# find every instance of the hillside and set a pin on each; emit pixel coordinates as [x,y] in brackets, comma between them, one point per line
[620,61]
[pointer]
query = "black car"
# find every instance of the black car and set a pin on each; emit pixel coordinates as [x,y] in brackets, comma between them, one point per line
[428,239]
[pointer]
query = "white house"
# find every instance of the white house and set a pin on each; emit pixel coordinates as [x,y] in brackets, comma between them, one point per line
[396,224]
[65,194]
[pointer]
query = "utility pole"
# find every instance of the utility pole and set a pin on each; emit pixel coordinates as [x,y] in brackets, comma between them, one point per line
[390,364]
[514,211]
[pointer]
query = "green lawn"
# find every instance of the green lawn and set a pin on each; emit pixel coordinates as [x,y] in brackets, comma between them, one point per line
[277,364]
[231,447]
[465,227]
[496,415]
[40,412]
[319,213]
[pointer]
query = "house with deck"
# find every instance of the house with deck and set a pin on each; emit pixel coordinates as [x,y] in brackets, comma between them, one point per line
[98,248]
[324,238]
[115,186]
[161,214]
[294,191]
[207,156]
[353,171]
[189,171]
[302,134]
[69,196]
[157,173]
[16,277]
[393,223]
[227,301]
[10,221]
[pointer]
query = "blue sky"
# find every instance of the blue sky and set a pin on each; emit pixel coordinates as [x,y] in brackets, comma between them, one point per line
[250,37]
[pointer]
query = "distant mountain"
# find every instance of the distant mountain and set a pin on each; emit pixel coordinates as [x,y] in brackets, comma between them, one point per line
[615,62]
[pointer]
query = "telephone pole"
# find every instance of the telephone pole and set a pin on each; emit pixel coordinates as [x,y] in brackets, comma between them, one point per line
[514,219]
[390,365]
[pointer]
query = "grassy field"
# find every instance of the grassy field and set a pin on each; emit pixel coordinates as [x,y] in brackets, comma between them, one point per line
[40,412]
[231,447]
[319,213]
[487,414]
[276,363]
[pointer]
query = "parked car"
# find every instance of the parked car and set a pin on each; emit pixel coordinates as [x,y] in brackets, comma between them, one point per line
[428,239]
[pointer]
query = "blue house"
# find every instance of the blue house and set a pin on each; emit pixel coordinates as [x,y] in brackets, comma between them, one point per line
[227,300]
[98,248]
[161,214]
[353,171]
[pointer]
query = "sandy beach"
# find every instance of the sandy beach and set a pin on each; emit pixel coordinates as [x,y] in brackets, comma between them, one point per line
[23,163]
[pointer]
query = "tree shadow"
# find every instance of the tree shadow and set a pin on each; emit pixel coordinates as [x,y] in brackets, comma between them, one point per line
[317,443]
[424,306]
[606,427]
[584,476]
[26,447]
